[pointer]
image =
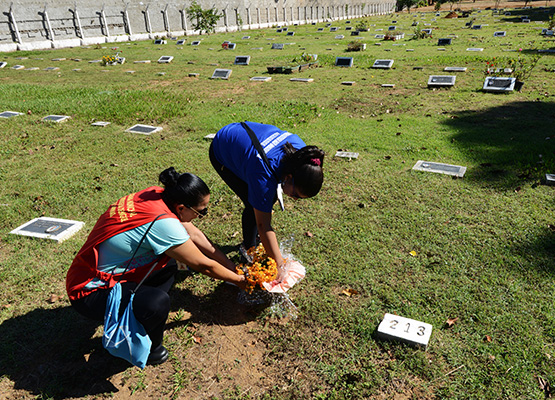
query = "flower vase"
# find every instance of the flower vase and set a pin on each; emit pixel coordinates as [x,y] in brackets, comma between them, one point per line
[518,85]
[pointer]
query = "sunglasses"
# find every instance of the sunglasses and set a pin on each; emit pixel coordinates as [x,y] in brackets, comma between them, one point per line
[200,213]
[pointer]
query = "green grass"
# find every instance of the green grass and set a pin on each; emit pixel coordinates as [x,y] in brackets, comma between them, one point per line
[484,244]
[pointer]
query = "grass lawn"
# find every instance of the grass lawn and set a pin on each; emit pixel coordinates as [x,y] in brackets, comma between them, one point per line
[478,251]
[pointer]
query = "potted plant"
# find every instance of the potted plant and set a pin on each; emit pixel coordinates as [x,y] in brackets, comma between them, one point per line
[356,45]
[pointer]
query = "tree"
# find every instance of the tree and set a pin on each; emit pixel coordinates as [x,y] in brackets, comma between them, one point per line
[406,3]
[206,20]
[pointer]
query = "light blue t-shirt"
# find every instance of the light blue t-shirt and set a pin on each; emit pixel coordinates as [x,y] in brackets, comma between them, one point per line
[233,148]
[115,252]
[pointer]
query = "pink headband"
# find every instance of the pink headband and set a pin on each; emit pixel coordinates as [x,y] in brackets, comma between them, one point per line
[316,161]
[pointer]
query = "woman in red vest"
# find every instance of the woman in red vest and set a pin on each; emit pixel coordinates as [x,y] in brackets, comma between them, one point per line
[105,258]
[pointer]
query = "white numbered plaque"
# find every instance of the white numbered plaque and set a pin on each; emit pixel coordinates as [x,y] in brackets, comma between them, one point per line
[410,331]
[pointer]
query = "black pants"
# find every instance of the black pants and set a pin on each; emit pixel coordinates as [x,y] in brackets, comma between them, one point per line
[241,189]
[151,304]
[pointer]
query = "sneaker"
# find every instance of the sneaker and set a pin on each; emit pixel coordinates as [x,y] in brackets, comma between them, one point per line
[158,356]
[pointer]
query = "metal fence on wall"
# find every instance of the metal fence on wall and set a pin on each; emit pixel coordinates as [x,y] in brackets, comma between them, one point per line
[28,25]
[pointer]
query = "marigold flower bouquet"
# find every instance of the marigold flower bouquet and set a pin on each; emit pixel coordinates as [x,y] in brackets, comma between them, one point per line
[262,269]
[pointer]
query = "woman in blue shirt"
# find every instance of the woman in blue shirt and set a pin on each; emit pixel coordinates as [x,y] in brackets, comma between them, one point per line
[294,166]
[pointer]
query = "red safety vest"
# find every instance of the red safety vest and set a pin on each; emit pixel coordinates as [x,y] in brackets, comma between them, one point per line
[127,213]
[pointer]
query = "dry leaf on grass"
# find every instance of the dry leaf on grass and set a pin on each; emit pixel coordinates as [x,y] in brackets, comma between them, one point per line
[544,385]
[53,298]
[451,321]
[413,253]
[487,339]
[349,292]
[309,234]
[197,339]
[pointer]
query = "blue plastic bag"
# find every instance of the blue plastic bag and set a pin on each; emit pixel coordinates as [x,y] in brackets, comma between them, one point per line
[124,337]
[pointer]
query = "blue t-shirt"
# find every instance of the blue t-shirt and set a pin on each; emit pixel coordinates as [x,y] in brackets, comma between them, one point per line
[115,252]
[233,148]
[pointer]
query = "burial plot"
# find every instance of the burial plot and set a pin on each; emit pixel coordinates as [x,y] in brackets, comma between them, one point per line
[344,61]
[100,123]
[440,168]
[384,64]
[455,69]
[56,118]
[144,129]
[333,29]
[499,34]
[221,74]
[441,80]
[444,42]
[195,43]
[242,60]
[499,84]
[180,42]
[3,64]
[165,59]
[301,80]
[49,228]
[406,330]
[346,154]
[231,46]
[261,78]
[160,41]
[245,37]
[277,46]
[9,114]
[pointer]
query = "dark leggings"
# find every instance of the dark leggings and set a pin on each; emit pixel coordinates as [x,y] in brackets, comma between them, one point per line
[241,189]
[151,304]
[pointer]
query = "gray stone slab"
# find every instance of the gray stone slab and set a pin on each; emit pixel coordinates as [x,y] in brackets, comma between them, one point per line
[344,61]
[346,154]
[550,179]
[455,69]
[49,228]
[277,46]
[440,168]
[3,64]
[301,80]
[18,66]
[499,84]
[100,123]
[165,59]
[56,118]
[144,129]
[383,64]
[441,80]
[9,114]
[221,73]
[474,49]
[242,60]
[261,78]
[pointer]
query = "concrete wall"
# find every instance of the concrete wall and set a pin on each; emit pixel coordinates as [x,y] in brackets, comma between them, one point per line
[32,24]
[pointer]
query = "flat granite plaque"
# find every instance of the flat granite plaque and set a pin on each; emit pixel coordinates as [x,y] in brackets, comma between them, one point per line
[165,59]
[406,330]
[261,78]
[160,41]
[49,228]
[3,64]
[344,61]
[455,69]
[498,84]
[9,114]
[56,118]
[144,129]
[439,168]
[210,136]
[221,74]
[346,154]
[474,49]
[18,66]
[195,43]
[277,46]
[242,60]
[100,123]
[499,34]
[301,80]
[180,42]
[386,64]
[444,41]
[441,80]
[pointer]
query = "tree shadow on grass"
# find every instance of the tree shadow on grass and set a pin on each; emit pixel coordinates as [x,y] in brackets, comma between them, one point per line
[510,143]
[53,352]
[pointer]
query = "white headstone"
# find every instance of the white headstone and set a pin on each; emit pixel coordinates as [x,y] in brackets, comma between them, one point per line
[261,78]
[144,129]
[56,118]
[406,330]
[100,123]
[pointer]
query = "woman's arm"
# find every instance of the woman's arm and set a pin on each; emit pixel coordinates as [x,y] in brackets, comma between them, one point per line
[189,254]
[268,236]
[206,246]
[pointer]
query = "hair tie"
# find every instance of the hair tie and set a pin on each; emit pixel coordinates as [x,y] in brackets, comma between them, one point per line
[316,161]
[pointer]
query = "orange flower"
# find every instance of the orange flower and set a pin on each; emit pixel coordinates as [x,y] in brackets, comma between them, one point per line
[262,269]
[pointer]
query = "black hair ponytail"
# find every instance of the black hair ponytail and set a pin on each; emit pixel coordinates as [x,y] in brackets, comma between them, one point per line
[187,189]
[305,166]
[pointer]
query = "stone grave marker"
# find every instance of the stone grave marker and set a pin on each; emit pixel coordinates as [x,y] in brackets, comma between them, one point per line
[499,84]
[320,29]
[348,83]
[355,33]
[426,31]
[141,62]
[392,28]
[285,29]
[278,30]
[277,46]
[100,123]
[499,33]
[440,168]
[180,42]
[3,64]
[94,61]
[245,37]
[132,72]
[476,27]
[56,118]
[340,37]
[32,69]
[455,69]
[301,80]
[348,28]
[346,154]
[526,20]
[195,43]
[210,136]
[143,129]
[441,80]
[58,59]
[231,46]
[384,64]
[444,42]
[290,34]
[165,59]
[379,36]
[242,60]
[49,228]
[261,78]
[193,74]
[550,179]
[18,66]
[344,61]
[474,49]
[9,114]
[333,29]
[221,74]
[388,85]
[160,41]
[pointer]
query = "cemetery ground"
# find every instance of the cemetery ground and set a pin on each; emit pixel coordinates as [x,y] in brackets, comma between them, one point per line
[473,256]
